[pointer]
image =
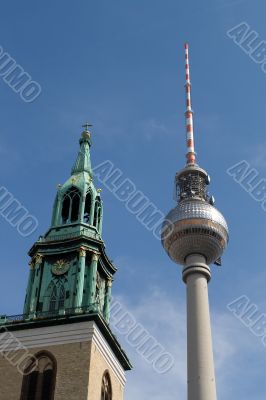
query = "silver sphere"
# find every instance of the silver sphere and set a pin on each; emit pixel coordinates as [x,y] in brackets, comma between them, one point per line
[194,227]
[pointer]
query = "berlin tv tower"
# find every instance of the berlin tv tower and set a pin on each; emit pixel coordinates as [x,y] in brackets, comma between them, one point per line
[195,234]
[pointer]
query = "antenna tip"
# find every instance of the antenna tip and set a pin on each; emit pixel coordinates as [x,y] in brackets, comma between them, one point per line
[186,45]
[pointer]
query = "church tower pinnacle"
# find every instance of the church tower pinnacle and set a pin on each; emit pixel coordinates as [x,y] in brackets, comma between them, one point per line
[83,162]
[78,205]
[70,273]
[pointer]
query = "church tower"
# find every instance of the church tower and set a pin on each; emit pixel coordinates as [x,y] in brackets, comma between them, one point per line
[62,346]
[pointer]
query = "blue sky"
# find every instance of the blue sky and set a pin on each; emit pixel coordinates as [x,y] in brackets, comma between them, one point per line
[120,65]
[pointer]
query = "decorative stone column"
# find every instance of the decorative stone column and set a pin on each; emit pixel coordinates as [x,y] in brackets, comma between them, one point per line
[92,209]
[93,276]
[82,207]
[29,288]
[201,376]
[100,228]
[36,281]
[107,300]
[81,277]
[57,208]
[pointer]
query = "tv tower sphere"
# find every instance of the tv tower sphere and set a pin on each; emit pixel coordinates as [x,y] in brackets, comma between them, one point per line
[194,226]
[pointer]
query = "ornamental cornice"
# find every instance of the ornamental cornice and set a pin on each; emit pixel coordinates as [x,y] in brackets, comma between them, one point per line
[36,259]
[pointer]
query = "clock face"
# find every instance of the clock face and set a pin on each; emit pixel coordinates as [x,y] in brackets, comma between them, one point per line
[60,267]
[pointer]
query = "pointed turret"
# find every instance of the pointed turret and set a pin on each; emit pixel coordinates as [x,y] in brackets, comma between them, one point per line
[78,204]
[83,161]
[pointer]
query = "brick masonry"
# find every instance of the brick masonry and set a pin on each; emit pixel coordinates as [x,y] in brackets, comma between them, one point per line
[80,368]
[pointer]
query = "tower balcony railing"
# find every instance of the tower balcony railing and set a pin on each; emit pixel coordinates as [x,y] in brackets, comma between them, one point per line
[46,315]
[72,235]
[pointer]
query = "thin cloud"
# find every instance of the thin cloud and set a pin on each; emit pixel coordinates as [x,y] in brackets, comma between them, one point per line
[256,156]
[166,320]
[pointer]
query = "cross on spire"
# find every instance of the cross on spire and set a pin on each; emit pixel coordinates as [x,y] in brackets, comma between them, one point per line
[86,126]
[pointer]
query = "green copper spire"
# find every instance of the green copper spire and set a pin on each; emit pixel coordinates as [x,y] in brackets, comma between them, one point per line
[78,205]
[69,267]
[83,162]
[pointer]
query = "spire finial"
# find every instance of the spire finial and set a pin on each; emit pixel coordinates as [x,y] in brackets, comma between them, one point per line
[86,126]
[83,163]
[86,133]
[191,155]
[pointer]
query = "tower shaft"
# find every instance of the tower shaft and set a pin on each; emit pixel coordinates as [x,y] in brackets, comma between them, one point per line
[200,364]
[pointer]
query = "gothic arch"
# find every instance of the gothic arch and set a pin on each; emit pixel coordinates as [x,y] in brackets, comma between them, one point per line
[97,213]
[39,377]
[70,205]
[53,297]
[87,208]
[56,296]
[106,389]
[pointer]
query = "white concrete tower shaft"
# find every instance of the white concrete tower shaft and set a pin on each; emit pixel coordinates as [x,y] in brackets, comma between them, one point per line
[200,364]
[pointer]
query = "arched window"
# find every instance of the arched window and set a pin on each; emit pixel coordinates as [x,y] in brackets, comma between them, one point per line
[97,213]
[100,210]
[106,391]
[53,299]
[62,296]
[39,378]
[70,206]
[57,299]
[87,209]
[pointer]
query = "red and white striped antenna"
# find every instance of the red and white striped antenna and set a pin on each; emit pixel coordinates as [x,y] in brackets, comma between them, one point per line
[191,155]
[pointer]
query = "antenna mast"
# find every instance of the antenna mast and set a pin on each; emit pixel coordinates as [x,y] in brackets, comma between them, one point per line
[191,155]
